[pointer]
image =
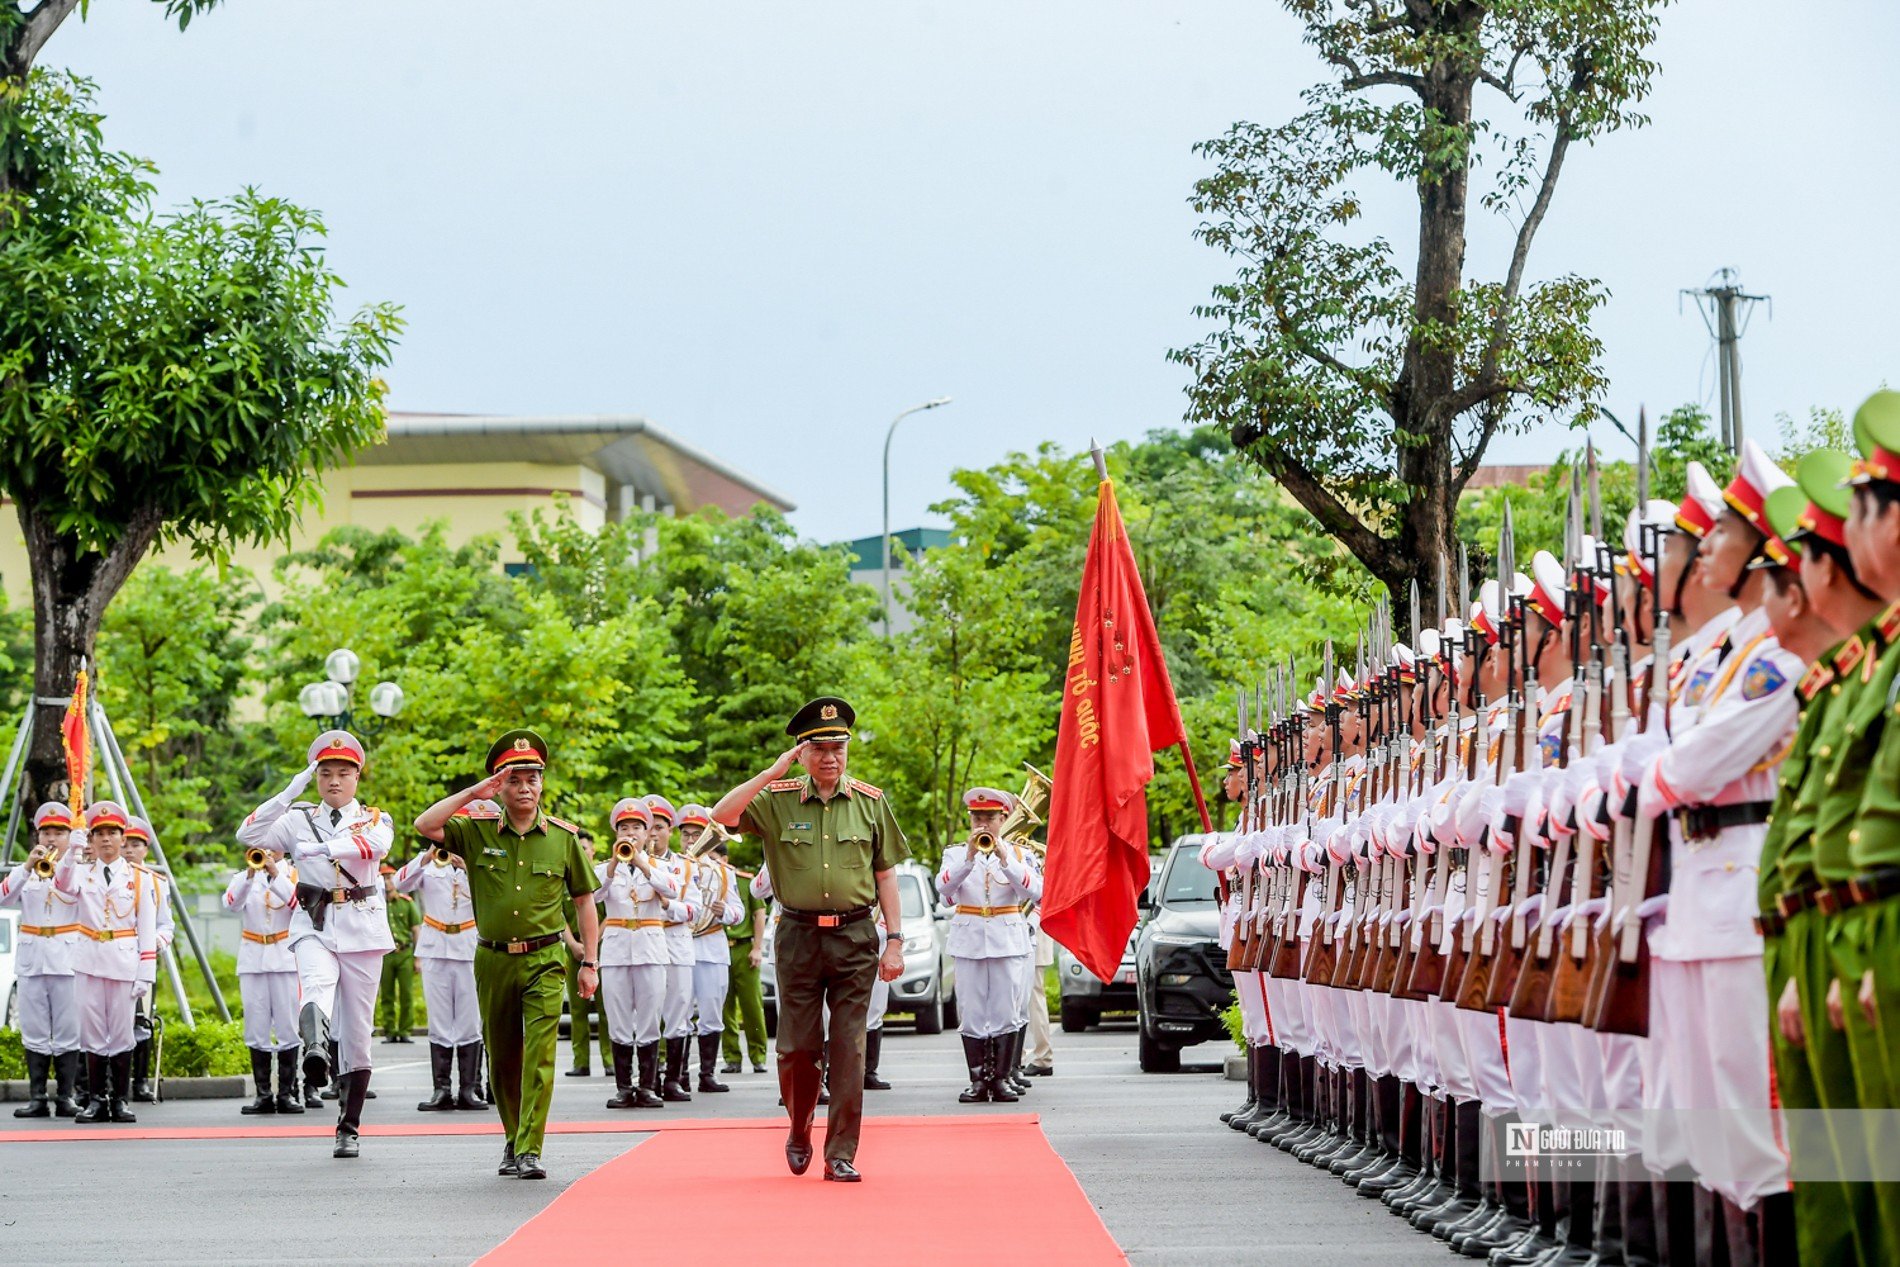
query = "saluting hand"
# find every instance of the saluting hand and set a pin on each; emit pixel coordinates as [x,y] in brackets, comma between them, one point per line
[794,753]
[489,787]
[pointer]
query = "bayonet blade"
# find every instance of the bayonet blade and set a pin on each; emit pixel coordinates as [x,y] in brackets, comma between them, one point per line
[1443,597]
[1507,556]
[1464,582]
[1595,499]
[1642,457]
[1414,634]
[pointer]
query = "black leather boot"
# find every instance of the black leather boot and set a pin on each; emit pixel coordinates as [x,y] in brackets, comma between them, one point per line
[1642,1238]
[288,1101]
[141,1064]
[352,1090]
[1387,1121]
[468,1074]
[441,1066]
[1249,1108]
[994,1054]
[1468,1123]
[121,1082]
[66,1070]
[1431,1142]
[1774,1229]
[97,1107]
[648,1094]
[313,1029]
[623,1097]
[709,1062]
[1287,1094]
[1425,1214]
[260,1074]
[873,1048]
[37,1066]
[1365,1132]
[674,1087]
[1013,1043]
[978,1092]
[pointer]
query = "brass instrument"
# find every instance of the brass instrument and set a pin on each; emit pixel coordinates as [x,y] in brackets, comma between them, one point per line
[441,856]
[256,859]
[714,834]
[625,849]
[1029,810]
[984,842]
[47,863]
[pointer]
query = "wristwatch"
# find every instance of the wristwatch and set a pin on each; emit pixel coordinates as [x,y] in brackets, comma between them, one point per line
[590,963]
[893,936]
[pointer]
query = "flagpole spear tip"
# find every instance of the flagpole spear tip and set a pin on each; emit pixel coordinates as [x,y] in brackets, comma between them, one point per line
[1101,461]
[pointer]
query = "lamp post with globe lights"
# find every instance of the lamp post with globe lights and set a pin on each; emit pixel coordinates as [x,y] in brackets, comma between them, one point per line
[328,702]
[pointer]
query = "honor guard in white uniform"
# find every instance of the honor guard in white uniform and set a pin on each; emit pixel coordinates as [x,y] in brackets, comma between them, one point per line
[445,953]
[632,894]
[720,909]
[138,843]
[119,924]
[49,1020]
[263,894]
[987,880]
[682,911]
[340,930]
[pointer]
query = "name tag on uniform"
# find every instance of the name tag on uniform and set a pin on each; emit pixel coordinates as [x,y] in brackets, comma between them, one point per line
[490,851]
[799,827]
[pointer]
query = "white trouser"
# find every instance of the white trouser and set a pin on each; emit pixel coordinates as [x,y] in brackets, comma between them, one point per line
[1253,1007]
[105,1014]
[1448,1045]
[1025,973]
[880,1000]
[49,1023]
[1041,1054]
[649,996]
[448,989]
[1527,1068]
[1484,1050]
[986,996]
[1718,1076]
[1287,997]
[709,995]
[616,999]
[270,1007]
[343,986]
[676,1013]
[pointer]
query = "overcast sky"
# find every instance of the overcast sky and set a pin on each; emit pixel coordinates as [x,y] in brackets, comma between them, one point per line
[770,226]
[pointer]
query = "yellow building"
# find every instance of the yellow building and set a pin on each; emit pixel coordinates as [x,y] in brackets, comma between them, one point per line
[472,470]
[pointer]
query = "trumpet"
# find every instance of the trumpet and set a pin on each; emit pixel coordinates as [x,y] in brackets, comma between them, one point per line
[256,859]
[46,864]
[625,849]
[984,842]
[441,856]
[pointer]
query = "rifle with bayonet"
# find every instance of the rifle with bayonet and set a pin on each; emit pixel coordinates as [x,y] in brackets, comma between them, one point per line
[1322,957]
[1486,865]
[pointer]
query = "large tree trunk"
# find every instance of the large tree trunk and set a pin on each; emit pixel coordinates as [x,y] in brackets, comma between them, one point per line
[71,590]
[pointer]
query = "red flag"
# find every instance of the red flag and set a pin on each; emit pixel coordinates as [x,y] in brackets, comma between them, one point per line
[76,738]
[1118,708]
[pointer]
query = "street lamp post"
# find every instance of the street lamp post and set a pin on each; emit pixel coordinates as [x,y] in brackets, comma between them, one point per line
[328,701]
[886,542]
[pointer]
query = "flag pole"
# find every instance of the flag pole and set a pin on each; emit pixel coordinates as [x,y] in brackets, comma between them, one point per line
[1187,757]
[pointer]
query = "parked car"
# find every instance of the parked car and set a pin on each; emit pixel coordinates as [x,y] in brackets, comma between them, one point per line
[928,988]
[1086,998]
[1181,980]
[9,967]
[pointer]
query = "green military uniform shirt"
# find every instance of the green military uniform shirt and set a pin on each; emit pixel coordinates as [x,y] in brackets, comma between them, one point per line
[823,854]
[1787,851]
[403,918]
[1862,672]
[519,883]
[1874,840]
[742,931]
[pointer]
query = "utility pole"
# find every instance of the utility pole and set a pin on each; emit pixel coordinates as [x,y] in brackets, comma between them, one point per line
[1725,311]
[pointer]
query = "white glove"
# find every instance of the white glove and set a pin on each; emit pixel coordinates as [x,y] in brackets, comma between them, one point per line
[78,839]
[299,781]
[141,991]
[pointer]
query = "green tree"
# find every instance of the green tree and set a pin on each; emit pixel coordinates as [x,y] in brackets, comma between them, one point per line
[170,376]
[1371,395]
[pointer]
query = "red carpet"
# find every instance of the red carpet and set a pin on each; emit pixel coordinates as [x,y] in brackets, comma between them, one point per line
[323,1127]
[928,1179]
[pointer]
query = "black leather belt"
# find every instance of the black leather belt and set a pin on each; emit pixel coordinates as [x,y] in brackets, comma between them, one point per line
[1705,822]
[1792,902]
[827,919]
[1875,886]
[1831,899]
[519,947]
[1769,924]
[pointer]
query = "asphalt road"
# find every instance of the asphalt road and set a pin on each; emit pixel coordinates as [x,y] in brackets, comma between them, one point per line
[1172,1184]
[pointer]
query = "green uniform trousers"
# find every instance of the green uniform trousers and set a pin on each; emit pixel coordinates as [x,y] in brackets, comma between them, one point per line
[1830,1218]
[815,967]
[397,994]
[578,1011]
[1849,954]
[745,1009]
[520,999]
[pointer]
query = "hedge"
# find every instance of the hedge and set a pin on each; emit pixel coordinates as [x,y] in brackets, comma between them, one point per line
[213,1049]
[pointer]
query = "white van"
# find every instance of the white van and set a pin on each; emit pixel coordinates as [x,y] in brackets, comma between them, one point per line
[9,968]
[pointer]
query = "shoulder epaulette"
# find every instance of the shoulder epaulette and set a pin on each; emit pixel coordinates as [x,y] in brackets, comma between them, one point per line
[1817,676]
[866,788]
[562,823]
[375,817]
[1889,624]
[1849,656]
[787,785]
[486,814]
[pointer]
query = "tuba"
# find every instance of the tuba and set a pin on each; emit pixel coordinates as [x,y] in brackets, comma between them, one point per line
[1028,812]
[714,834]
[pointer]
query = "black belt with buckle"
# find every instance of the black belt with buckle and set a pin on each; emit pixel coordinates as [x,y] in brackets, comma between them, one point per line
[828,919]
[519,947]
[1769,924]
[1832,899]
[1794,901]
[1705,822]
[1875,886]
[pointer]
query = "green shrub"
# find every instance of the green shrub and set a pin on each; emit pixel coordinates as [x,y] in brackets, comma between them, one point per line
[213,1049]
[12,1054]
[1231,1019]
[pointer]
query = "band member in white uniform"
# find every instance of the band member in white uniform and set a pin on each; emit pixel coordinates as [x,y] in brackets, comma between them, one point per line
[676,1013]
[138,841]
[49,1020]
[119,923]
[712,952]
[340,930]
[263,898]
[632,893]
[445,953]
[988,937]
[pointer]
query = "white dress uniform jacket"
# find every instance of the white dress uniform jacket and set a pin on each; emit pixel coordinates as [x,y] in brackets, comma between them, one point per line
[718,891]
[344,848]
[682,904]
[48,921]
[263,902]
[117,917]
[447,930]
[999,882]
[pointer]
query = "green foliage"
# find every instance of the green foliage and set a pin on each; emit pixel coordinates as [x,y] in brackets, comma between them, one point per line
[12,1054]
[211,1049]
[1236,1027]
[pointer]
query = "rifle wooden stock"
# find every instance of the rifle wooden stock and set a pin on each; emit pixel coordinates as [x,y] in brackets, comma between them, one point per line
[1530,995]
[1427,979]
[1624,1004]
[1569,988]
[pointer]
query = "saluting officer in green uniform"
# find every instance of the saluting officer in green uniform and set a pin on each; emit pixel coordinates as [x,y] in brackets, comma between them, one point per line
[396,997]
[831,844]
[745,999]
[524,870]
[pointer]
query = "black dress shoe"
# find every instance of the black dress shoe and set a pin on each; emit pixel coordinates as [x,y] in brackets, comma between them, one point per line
[578,1073]
[528,1166]
[798,1156]
[1040,1071]
[732,1066]
[509,1162]
[842,1172]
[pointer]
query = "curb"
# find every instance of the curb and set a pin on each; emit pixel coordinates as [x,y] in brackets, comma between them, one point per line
[1234,1069]
[221,1088]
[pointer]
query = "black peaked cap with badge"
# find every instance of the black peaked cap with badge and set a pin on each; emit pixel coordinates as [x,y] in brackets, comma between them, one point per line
[826,719]
[517,748]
